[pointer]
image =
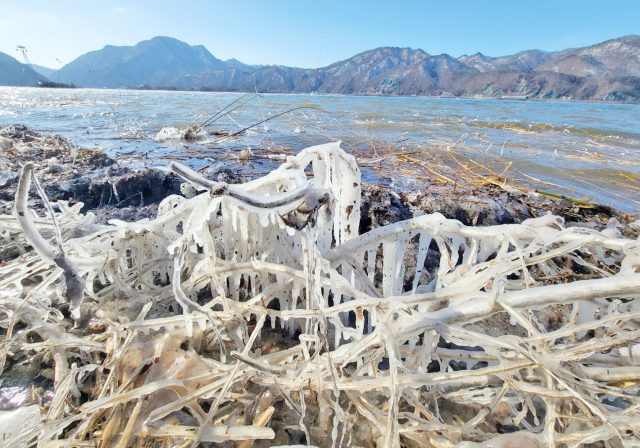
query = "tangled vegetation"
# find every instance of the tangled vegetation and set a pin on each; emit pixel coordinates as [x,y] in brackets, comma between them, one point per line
[256,313]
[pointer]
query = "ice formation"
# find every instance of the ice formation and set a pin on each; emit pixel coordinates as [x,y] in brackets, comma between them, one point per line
[396,337]
[172,133]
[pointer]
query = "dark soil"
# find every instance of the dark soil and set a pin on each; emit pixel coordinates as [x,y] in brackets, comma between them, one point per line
[109,189]
[486,206]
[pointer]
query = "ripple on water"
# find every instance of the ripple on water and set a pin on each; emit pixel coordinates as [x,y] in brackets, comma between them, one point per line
[561,137]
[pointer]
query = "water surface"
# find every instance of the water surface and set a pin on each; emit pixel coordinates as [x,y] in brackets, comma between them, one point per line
[582,150]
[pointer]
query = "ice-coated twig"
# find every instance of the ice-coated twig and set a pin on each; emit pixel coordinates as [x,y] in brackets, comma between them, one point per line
[74,282]
[21,212]
[221,189]
[198,180]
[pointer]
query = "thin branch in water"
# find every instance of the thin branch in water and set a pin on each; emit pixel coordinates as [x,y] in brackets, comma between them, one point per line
[268,119]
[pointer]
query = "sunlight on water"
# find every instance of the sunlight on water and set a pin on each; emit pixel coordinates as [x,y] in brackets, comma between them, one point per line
[577,149]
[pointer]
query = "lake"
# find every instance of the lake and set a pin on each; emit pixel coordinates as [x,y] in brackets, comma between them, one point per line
[586,151]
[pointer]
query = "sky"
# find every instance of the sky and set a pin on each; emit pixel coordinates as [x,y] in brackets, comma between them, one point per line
[311,34]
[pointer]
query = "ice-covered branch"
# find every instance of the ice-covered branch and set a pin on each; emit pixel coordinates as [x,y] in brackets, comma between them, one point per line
[74,282]
[22,214]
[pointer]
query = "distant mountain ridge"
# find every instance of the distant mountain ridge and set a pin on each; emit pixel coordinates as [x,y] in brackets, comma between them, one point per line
[15,73]
[149,62]
[45,71]
[608,71]
[525,60]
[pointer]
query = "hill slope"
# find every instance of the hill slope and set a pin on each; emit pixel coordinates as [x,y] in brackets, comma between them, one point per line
[14,73]
[397,71]
[607,71]
[149,62]
[45,71]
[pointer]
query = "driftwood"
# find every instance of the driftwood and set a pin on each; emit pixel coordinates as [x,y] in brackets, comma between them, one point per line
[421,333]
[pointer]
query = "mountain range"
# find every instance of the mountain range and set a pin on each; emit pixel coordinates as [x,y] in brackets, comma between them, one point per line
[608,71]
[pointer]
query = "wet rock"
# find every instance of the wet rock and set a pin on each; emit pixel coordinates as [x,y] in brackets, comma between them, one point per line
[140,188]
[5,143]
[18,132]
[130,214]
[220,172]
[187,190]
[8,177]
[381,207]
[94,158]
[470,209]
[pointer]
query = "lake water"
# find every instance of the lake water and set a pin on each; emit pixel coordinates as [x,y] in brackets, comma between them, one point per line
[581,150]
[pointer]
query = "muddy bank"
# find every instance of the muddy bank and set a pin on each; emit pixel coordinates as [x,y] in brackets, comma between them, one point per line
[118,189]
[111,189]
[486,206]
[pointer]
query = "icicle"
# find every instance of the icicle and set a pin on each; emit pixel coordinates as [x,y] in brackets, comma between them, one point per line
[372,254]
[423,248]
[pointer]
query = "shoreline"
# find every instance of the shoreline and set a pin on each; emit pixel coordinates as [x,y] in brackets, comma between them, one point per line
[110,189]
[204,90]
[480,98]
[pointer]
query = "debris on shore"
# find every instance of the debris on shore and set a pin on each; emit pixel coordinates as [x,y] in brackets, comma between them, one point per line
[305,308]
[191,133]
[108,189]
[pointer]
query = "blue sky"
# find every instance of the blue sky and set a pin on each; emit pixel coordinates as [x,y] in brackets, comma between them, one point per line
[305,33]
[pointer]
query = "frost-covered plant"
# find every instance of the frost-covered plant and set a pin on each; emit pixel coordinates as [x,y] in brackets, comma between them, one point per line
[425,332]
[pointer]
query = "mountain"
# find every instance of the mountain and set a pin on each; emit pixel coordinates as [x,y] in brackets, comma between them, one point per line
[234,63]
[15,73]
[525,60]
[8,59]
[44,71]
[150,62]
[607,71]
[397,71]
[617,57]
